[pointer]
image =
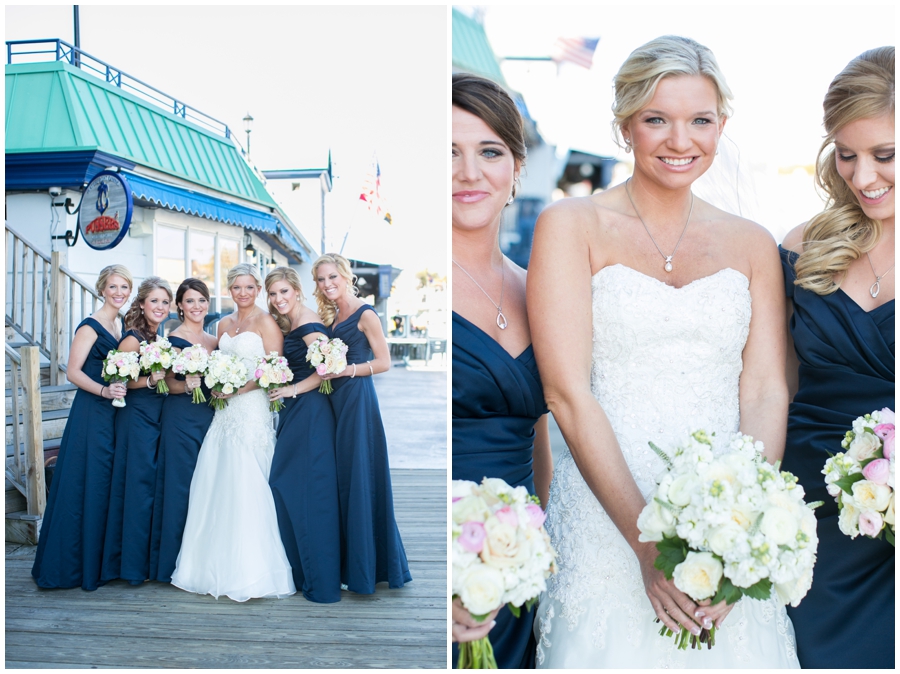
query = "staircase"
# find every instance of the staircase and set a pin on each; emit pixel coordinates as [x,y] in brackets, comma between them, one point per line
[45,302]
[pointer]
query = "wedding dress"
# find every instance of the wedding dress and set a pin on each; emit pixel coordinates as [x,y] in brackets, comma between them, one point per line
[231,544]
[666,361]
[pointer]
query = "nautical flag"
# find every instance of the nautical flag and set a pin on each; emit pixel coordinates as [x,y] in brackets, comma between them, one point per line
[371,192]
[577,50]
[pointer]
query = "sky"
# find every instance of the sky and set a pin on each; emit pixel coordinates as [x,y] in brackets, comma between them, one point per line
[777,60]
[360,81]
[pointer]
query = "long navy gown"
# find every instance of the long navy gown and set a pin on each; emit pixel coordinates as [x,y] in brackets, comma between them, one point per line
[846,370]
[183,426]
[126,550]
[304,481]
[70,548]
[371,549]
[497,400]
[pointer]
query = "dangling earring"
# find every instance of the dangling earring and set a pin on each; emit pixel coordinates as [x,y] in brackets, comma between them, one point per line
[627,146]
[511,199]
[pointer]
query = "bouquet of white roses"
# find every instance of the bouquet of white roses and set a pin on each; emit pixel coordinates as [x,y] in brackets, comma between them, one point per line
[157,356]
[120,366]
[501,555]
[728,524]
[862,480]
[224,373]
[272,371]
[328,356]
[192,360]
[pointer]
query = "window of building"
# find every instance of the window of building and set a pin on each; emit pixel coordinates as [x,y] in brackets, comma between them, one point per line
[170,255]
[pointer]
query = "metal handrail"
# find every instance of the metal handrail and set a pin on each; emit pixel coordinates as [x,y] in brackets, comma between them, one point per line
[63,51]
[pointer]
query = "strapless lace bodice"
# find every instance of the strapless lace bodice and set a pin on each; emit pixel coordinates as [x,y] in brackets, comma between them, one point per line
[666,361]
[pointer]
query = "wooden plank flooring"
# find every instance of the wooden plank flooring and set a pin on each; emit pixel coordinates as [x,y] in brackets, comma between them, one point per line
[157,625]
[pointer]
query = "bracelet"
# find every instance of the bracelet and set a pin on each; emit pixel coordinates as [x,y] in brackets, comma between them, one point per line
[295,391]
[371,370]
[101,391]
[149,382]
[354,371]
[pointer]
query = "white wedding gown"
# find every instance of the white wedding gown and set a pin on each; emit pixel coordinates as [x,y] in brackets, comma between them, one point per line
[666,362]
[231,544]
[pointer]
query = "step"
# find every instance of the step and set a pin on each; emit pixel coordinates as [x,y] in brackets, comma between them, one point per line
[52,398]
[51,429]
[22,528]
[45,377]
[15,500]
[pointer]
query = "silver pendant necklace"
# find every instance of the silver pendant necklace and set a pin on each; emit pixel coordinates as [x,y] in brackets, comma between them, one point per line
[501,319]
[875,288]
[668,258]
[241,324]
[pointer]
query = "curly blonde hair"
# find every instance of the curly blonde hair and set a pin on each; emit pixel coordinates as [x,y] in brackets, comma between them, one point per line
[841,233]
[327,308]
[292,278]
[135,318]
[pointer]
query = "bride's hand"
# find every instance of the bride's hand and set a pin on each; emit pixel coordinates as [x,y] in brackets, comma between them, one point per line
[466,628]
[713,614]
[672,606]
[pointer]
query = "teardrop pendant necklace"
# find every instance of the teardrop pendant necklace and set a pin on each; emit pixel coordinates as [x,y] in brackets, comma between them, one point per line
[668,258]
[876,287]
[501,319]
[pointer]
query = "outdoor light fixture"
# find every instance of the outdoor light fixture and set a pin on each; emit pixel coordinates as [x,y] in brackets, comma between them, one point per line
[248,127]
[249,248]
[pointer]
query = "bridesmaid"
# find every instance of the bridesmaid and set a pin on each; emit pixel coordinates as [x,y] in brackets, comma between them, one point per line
[183,426]
[126,550]
[304,473]
[371,549]
[70,547]
[839,274]
[499,416]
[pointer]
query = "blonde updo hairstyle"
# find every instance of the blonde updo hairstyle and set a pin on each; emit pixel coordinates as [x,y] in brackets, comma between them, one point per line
[666,56]
[135,318]
[243,269]
[327,308]
[113,270]
[843,232]
[292,278]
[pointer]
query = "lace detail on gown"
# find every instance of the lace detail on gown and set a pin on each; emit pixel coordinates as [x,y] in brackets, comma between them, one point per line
[231,544]
[666,361]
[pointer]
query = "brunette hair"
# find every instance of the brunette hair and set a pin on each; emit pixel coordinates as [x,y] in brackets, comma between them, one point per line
[189,284]
[843,232]
[292,278]
[327,308]
[135,319]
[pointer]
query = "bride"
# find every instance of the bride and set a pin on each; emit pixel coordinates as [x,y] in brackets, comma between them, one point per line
[639,301]
[231,544]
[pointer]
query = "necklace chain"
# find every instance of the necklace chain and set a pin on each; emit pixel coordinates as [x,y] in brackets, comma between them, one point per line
[875,288]
[668,258]
[241,324]
[501,319]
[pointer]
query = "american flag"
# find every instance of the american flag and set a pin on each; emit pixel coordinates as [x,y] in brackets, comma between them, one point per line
[577,50]
[371,193]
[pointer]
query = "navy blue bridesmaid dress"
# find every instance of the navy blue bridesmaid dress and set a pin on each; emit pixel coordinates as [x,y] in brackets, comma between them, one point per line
[183,426]
[497,400]
[126,550]
[846,370]
[371,549]
[304,481]
[70,548]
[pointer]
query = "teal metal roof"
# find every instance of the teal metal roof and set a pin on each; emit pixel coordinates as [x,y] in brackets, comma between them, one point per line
[472,52]
[55,107]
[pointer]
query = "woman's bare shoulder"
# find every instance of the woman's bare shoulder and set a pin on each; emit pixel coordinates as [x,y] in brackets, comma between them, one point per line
[793,240]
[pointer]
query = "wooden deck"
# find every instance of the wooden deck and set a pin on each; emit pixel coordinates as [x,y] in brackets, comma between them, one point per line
[157,625]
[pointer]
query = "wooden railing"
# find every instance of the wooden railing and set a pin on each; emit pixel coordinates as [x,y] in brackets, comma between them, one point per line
[45,301]
[25,468]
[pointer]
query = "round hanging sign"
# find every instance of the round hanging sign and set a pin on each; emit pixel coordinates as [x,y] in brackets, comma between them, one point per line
[106,209]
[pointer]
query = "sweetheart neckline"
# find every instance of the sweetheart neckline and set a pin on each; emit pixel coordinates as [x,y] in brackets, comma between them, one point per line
[666,285]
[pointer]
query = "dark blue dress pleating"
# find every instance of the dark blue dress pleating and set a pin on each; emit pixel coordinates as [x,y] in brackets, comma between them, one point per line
[846,370]
[371,549]
[497,400]
[126,550]
[304,481]
[183,426]
[70,547]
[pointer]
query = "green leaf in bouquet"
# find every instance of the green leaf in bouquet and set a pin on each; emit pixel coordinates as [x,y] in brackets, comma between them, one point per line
[846,482]
[727,591]
[889,535]
[815,504]
[481,618]
[762,589]
[672,552]
[755,526]
[515,610]
[530,603]
[661,454]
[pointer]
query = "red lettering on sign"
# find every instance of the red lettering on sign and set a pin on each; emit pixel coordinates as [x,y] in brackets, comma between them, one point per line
[102,224]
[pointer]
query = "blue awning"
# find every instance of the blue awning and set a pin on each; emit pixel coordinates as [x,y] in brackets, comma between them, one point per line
[204,206]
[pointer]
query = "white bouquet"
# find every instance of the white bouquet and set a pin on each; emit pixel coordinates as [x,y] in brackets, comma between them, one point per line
[862,480]
[328,356]
[501,555]
[224,373]
[120,366]
[272,371]
[157,356]
[728,524]
[192,360]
